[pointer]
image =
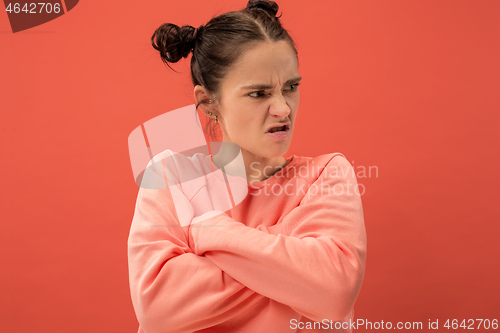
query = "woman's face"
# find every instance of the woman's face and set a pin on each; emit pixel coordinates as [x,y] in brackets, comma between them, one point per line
[260,90]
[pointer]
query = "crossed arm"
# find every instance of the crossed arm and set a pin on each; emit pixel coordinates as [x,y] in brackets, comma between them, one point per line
[190,278]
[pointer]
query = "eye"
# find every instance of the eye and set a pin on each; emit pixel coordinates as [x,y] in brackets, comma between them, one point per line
[293,87]
[257,94]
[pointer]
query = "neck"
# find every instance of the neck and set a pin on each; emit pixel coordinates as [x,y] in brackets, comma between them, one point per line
[256,168]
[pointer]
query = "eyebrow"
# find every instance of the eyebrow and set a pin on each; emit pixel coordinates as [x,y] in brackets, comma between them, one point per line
[266,86]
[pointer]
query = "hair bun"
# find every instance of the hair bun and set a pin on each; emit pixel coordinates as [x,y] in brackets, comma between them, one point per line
[270,7]
[173,42]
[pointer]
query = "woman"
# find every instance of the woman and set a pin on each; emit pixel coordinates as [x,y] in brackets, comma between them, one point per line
[290,255]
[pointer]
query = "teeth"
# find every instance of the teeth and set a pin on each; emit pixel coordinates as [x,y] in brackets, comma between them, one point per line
[276,129]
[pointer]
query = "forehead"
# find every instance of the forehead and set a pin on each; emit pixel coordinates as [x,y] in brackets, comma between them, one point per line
[264,63]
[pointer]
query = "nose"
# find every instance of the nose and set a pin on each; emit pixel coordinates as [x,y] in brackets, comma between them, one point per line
[279,107]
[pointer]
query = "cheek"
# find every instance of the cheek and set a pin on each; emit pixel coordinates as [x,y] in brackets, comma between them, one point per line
[245,130]
[294,104]
[242,118]
[245,126]
[238,124]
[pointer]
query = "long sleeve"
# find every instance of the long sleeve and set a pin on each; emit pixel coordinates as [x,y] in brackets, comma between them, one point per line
[173,289]
[316,266]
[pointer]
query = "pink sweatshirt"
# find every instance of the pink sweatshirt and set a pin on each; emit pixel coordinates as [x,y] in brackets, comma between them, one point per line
[289,258]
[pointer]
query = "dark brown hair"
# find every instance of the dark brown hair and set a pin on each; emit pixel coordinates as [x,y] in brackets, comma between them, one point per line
[217,45]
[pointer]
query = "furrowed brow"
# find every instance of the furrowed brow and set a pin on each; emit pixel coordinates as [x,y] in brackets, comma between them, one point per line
[265,86]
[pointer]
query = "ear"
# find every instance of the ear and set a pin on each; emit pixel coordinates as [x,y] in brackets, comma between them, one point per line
[201,93]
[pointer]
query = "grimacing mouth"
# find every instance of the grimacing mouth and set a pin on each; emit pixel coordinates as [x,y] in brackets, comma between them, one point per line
[276,129]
